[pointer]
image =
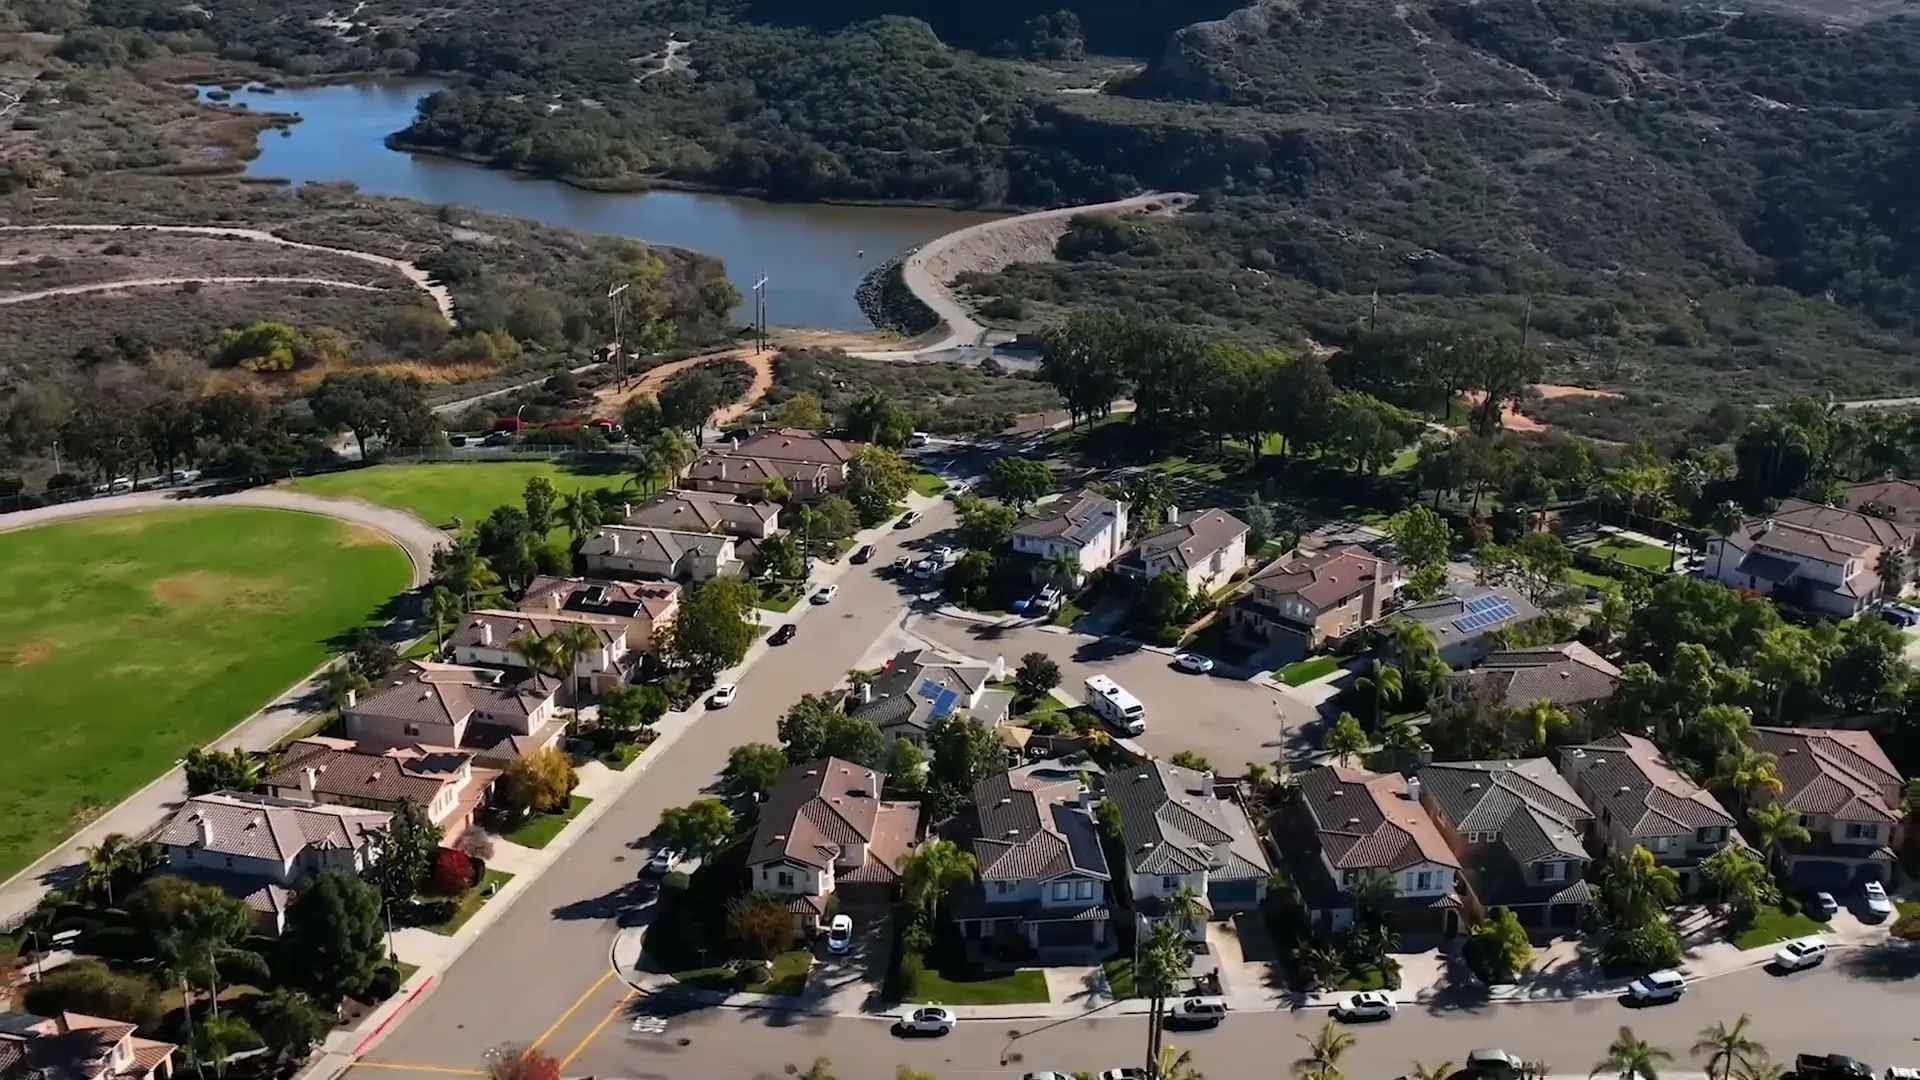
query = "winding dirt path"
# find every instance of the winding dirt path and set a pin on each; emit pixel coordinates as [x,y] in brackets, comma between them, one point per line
[155,282]
[610,398]
[442,299]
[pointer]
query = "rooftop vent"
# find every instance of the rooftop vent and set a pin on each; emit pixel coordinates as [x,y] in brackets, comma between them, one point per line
[1475,786]
[1353,821]
[1623,789]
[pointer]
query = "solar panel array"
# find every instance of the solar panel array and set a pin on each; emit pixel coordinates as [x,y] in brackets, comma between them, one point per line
[941,697]
[1484,611]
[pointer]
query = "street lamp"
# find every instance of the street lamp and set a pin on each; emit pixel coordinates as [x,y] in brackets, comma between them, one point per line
[62,938]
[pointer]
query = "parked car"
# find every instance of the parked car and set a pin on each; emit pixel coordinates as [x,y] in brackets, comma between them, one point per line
[1365,1005]
[1047,1075]
[182,476]
[925,569]
[723,695]
[456,440]
[902,563]
[665,860]
[957,489]
[840,934]
[917,439]
[1822,905]
[1830,1067]
[121,485]
[863,554]
[927,1021]
[945,556]
[1899,1073]
[1804,953]
[1125,1072]
[1193,662]
[1657,987]
[826,594]
[1876,899]
[908,520]
[1197,1011]
[1492,1064]
[782,635]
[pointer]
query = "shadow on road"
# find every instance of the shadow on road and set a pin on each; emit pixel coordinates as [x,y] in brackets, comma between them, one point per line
[1894,961]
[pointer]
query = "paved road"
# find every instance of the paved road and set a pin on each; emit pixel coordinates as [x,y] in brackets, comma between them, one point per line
[551,946]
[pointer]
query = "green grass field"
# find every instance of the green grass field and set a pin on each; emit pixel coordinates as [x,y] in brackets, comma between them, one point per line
[1301,672]
[1631,552]
[126,641]
[441,491]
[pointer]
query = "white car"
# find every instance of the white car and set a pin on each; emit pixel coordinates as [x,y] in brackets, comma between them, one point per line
[665,860]
[826,595]
[1125,1072]
[958,489]
[1047,1075]
[1877,902]
[121,485]
[723,695]
[928,1021]
[1657,987]
[1193,662]
[1804,953]
[1365,1005]
[840,934]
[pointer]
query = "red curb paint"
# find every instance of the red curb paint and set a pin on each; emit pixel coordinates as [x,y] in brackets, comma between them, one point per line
[375,1033]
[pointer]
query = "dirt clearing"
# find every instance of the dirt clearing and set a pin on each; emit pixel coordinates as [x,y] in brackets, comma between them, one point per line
[609,399]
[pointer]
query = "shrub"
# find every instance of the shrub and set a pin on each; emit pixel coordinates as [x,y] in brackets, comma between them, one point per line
[759,925]
[384,984]
[676,882]
[1790,905]
[452,872]
[90,987]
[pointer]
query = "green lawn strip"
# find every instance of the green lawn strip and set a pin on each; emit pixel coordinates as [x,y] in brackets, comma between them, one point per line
[1068,614]
[978,988]
[621,755]
[421,649]
[471,903]
[787,976]
[127,640]
[1773,924]
[1364,977]
[442,491]
[1120,976]
[539,830]
[1301,672]
[1587,579]
[1631,552]
[781,601]
[927,483]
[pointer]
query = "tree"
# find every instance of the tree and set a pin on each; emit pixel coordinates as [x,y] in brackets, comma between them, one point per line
[715,627]
[875,418]
[333,937]
[752,769]
[1163,963]
[773,489]
[963,752]
[403,850]
[1537,565]
[1037,675]
[102,865]
[343,684]
[89,987]
[1631,1058]
[667,452]
[1163,602]
[877,479]
[465,572]
[1760,1068]
[932,869]
[969,577]
[373,656]
[986,526]
[1439,1070]
[1727,1048]
[1635,890]
[689,399]
[1324,1051]
[1422,537]
[1542,718]
[1740,878]
[452,872]
[1020,481]
[289,1024]
[539,782]
[1260,525]
[906,766]
[1891,566]
[1191,759]
[802,410]
[626,709]
[1501,944]
[215,1039]
[1788,659]
[197,932]
[514,1062]
[779,557]
[1345,740]
[759,926]
[1775,823]
[701,827]
[541,499]
[209,771]
[580,514]
[443,611]
[1383,681]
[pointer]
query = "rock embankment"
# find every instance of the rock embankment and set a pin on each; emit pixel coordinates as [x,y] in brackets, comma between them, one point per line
[887,302]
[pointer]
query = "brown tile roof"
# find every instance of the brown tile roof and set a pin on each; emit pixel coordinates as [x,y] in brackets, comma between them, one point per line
[594,596]
[1626,776]
[794,444]
[72,1046]
[656,545]
[1841,521]
[1569,674]
[451,693]
[700,511]
[1366,821]
[1899,498]
[417,773]
[494,629]
[1194,539]
[736,469]
[819,807]
[1798,540]
[261,827]
[1329,578]
[1532,808]
[1844,774]
[1028,825]
[1078,516]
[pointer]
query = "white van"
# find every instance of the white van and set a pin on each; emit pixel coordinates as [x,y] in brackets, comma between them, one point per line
[1114,705]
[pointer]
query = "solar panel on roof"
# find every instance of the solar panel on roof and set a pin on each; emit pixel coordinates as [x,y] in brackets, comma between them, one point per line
[941,697]
[1486,602]
[1484,611]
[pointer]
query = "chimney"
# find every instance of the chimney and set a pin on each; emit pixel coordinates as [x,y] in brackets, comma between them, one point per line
[1413,788]
[1206,784]
[1173,515]
[307,777]
[873,785]
[613,543]
[866,693]
[353,698]
[486,633]
[206,830]
[1086,798]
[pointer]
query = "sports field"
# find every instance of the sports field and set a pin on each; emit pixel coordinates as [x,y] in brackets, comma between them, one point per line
[125,641]
[442,491]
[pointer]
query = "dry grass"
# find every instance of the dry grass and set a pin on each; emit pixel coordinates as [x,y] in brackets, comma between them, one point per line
[33,262]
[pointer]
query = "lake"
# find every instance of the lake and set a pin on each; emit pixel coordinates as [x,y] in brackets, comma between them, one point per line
[813,256]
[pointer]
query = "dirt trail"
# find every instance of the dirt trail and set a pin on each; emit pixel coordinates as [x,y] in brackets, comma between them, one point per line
[154,282]
[442,299]
[610,398]
[1514,420]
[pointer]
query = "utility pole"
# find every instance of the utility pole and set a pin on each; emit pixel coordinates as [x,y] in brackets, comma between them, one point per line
[617,307]
[760,314]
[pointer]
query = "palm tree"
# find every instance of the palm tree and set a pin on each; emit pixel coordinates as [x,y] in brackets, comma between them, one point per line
[1632,1058]
[580,513]
[1063,568]
[1727,517]
[1535,1070]
[1183,906]
[443,610]
[115,854]
[671,452]
[541,653]
[1743,769]
[1725,1047]
[1760,1068]
[932,869]
[1542,718]
[1324,1051]
[1172,1063]
[467,573]
[1774,823]
[1892,568]
[1162,963]
[1383,681]
[1401,742]
[1344,740]
[341,684]
[1439,1070]
[570,643]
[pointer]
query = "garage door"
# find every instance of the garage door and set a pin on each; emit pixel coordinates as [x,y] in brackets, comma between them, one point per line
[1821,874]
[1066,933]
[1866,872]
[1228,895]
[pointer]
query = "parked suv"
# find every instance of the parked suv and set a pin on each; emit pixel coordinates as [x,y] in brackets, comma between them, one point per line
[1831,1067]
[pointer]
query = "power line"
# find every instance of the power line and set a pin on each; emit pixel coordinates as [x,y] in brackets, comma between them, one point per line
[617,306]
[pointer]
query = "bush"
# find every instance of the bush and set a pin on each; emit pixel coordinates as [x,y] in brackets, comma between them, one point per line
[385,983]
[452,873]
[1790,905]
[676,882]
[759,926]
[90,987]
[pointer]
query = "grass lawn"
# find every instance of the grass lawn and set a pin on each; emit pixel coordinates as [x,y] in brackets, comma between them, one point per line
[1364,977]
[442,491]
[126,641]
[538,830]
[1068,614]
[620,756]
[781,600]
[1773,924]
[927,483]
[788,975]
[1301,672]
[471,903]
[1631,552]
[1587,579]
[1120,976]
[978,988]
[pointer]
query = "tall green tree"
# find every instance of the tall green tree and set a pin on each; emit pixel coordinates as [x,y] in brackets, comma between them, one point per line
[715,627]
[935,867]
[403,850]
[334,936]
[541,499]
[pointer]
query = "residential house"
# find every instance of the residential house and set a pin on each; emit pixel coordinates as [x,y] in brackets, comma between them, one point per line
[1083,525]
[1643,801]
[1180,830]
[705,512]
[1204,548]
[74,1046]
[447,784]
[1463,627]
[487,637]
[1352,825]
[1571,676]
[741,477]
[1043,879]
[826,837]
[1821,558]
[1305,600]
[623,551]
[1519,830]
[1892,498]
[499,715]
[1850,800]
[646,607]
[919,686]
[796,445]
[259,848]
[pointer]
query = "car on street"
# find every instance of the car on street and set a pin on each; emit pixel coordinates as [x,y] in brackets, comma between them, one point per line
[1804,953]
[1198,1011]
[1896,1072]
[1194,662]
[723,695]
[944,555]
[1876,899]
[1492,1064]
[925,569]
[1047,1075]
[928,1021]
[121,485]
[958,490]
[908,520]
[840,934]
[863,554]
[1124,1072]
[665,860]
[917,439]
[902,563]
[181,476]
[1365,1005]
[783,635]
[1830,1067]
[826,595]
[1657,987]
[1822,905]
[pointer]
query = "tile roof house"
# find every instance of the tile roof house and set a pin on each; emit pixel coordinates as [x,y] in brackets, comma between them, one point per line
[1306,599]
[1641,800]
[622,551]
[259,848]
[1083,525]
[1894,498]
[73,1046]
[1571,676]
[645,606]
[1815,557]
[1205,548]
[825,832]
[731,474]
[1519,830]
[703,511]
[1364,824]
[1850,798]
[485,638]
[798,444]
[1179,830]
[496,714]
[1463,626]
[1043,878]
[919,686]
[448,784]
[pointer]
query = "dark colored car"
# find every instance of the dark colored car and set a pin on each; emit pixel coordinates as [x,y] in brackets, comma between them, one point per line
[1822,905]
[783,635]
[1831,1067]
[864,555]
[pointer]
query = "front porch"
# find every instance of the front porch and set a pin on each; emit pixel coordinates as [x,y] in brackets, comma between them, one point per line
[1032,934]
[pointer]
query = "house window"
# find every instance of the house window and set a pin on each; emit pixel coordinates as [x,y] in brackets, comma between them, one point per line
[1063,890]
[1659,844]
[786,880]
[1083,890]
[1712,834]
[1806,821]
[1423,880]
[1169,883]
[1002,887]
[413,729]
[1473,838]
[1862,830]
[1552,871]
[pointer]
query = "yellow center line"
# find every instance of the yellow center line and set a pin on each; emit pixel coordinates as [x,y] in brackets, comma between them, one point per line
[414,1068]
[571,1009]
[597,1028]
